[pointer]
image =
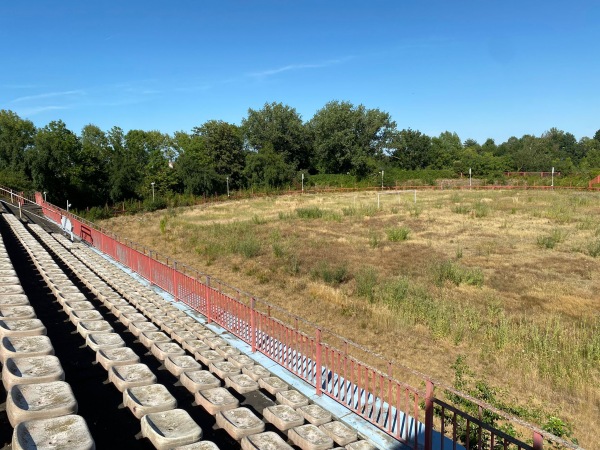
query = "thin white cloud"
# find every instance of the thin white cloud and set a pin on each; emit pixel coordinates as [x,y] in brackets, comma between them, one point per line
[40,109]
[48,95]
[293,67]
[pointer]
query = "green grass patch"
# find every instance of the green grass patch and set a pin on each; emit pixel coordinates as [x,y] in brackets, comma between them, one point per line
[311,212]
[397,234]
[449,271]
[366,282]
[333,275]
[549,241]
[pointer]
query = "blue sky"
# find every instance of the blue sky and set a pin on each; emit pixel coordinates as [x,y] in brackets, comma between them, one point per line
[481,68]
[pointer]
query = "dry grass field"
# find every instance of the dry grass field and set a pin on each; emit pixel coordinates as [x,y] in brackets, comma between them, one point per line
[509,281]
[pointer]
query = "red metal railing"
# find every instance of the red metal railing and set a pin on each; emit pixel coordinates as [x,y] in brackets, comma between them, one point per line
[414,417]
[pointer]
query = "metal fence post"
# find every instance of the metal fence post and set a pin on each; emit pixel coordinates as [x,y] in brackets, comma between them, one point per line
[428,414]
[175,277]
[208,300]
[253,324]
[318,362]
[538,441]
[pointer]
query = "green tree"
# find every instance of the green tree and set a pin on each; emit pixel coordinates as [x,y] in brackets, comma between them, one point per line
[223,149]
[55,162]
[159,162]
[193,165]
[128,160]
[282,127]
[411,149]
[350,138]
[444,150]
[94,163]
[267,168]
[16,139]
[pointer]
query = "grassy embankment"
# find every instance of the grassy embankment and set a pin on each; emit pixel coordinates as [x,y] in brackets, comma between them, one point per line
[507,282]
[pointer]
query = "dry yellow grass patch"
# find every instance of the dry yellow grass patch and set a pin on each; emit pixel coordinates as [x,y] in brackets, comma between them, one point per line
[525,311]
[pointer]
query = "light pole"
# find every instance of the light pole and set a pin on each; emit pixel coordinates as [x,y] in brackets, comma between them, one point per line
[382,179]
[68,205]
[45,196]
[227,187]
[552,178]
[152,191]
[303,183]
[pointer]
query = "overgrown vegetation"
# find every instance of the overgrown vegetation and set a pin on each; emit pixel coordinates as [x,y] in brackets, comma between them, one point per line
[484,288]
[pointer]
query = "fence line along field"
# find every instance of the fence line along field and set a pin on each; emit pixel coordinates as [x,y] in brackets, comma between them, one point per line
[494,292]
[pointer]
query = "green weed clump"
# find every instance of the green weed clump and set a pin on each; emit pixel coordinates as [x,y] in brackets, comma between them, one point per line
[249,247]
[366,281]
[481,209]
[311,212]
[550,241]
[397,234]
[461,209]
[456,274]
[374,239]
[335,275]
[593,249]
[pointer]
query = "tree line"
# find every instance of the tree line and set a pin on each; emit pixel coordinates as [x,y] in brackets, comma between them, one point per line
[269,149]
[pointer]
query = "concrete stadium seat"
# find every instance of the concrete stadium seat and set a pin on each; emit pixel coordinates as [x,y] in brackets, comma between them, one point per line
[130,375]
[273,385]
[13,300]
[178,364]
[39,401]
[339,432]
[142,400]
[241,361]
[256,372]
[86,327]
[169,429]
[16,312]
[223,369]
[21,327]
[291,398]
[161,350]
[208,357]
[241,383]
[199,380]
[216,399]
[240,422]
[148,338]
[310,437]
[264,441]
[31,369]
[314,414]
[13,347]
[58,433]
[121,356]
[283,417]
[103,341]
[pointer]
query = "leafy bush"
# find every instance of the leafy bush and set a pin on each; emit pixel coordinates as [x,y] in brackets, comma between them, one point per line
[397,234]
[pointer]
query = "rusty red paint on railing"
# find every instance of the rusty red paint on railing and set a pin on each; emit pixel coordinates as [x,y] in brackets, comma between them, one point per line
[389,404]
